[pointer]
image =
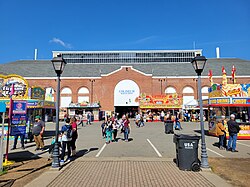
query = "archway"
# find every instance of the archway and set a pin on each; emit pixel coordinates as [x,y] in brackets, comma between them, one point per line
[125,94]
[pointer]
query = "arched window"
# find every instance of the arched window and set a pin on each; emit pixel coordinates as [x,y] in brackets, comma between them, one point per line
[66,97]
[170,90]
[83,90]
[66,91]
[188,90]
[83,95]
[204,89]
[204,92]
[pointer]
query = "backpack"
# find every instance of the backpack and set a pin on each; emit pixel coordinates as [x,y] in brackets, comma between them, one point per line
[68,131]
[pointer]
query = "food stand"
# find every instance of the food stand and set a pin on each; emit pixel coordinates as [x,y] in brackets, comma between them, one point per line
[157,103]
[226,99]
[76,109]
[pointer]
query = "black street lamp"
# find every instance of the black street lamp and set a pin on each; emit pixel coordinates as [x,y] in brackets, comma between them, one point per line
[58,65]
[199,63]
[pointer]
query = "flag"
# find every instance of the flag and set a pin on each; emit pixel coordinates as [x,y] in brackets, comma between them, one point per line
[223,70]
[224,76]
[233,74]
[210,75]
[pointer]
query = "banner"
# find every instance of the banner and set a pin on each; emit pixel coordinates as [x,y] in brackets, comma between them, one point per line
[170,101]
[229,90]
[18,125]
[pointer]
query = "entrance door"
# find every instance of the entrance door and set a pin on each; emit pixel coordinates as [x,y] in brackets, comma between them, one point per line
[126,110]
[126,95]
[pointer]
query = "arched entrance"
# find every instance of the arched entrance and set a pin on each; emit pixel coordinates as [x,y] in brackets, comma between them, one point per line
[125,94]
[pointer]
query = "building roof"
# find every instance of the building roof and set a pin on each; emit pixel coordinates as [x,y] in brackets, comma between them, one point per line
[44,68]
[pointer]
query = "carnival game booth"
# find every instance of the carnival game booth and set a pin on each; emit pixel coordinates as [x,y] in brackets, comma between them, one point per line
[152,106]
[226,99]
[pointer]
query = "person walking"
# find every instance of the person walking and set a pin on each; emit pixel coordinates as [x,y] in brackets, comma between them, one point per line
[108,130]
[88,119]
[220,131]
[103,129]
[137,119]
[74,135]
[81,120]
[115,129]
[233,129]
[66,133]
[177,124]
[126,126]
[142,120]
[37,132]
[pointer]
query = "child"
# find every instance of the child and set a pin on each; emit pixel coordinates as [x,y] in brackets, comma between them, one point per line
[108,130]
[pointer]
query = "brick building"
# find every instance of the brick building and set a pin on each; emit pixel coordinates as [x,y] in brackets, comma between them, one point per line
[115,78]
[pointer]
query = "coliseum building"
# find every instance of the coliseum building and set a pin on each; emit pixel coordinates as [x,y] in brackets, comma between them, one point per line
[113,80]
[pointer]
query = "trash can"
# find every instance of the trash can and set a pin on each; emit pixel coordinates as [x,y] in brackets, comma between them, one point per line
[169,127]
[187,152]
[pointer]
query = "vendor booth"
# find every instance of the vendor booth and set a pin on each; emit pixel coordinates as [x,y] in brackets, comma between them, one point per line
[154,105]
[226,99]
[77,109]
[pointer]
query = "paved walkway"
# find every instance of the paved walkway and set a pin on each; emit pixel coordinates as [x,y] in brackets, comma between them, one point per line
[126,172]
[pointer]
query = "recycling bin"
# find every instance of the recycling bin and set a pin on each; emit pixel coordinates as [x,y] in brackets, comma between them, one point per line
[187,152]
[169,127]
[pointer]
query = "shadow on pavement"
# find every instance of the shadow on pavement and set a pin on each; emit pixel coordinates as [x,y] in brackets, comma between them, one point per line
[199,131]
[22,156]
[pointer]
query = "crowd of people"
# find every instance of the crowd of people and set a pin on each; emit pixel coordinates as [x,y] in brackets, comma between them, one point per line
[111,126]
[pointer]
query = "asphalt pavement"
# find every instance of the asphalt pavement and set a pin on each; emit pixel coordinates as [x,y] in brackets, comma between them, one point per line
[148,146]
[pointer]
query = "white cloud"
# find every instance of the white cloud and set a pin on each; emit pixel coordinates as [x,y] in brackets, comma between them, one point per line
[60,42]
[146,39]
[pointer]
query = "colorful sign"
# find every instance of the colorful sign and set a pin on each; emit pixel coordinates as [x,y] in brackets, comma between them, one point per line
[19,107]
[37,93]
[240,100]
[160,101]
[20,87]
[229,90]
[219,101]
[18,125]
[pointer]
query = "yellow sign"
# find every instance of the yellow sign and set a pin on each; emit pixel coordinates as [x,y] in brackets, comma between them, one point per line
[20,87]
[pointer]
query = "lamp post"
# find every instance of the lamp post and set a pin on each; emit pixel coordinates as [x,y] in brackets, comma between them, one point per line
[58,65]
[199,63]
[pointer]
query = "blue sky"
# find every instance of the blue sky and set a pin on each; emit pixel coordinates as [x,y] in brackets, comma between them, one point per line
[123,25]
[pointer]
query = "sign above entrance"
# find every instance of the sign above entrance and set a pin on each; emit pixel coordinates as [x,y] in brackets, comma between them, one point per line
[125,93]
[171,101]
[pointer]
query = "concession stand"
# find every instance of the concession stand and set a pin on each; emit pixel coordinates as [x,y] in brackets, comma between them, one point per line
[226,99]
[76,109]
[155,104]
